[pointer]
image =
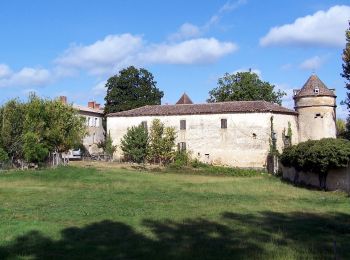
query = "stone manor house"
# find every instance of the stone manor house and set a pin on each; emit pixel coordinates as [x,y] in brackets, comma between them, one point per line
[238,133]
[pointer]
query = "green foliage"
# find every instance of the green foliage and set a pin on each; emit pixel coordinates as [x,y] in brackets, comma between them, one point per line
[33,129]
[3,156]
[181,159]
[341,128]
[243,86]
[34,150]
[12,118]
[131,88]
[134,144]
[161,142]
[318,156]
[346,75]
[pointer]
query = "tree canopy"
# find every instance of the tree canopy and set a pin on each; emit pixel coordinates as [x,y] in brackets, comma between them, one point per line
[131,88]
[31,130]
[244,86]
[346,75]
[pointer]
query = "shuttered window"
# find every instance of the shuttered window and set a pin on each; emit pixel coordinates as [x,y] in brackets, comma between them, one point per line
[223,123]
[182,124]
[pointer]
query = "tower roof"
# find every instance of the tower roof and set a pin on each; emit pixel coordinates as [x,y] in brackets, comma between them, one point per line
[184,99]
[311,86]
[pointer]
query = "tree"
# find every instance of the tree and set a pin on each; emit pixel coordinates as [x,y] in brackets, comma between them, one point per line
[134,144]
[346,75]
[35,151]
[341,128]
[161,142]
[244,86]
[13,113]
[131,88]
[107,145]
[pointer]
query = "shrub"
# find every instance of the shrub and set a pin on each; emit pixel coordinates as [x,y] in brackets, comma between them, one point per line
[34,151]
[318,156]
[134,144]
[181,159]
[3,156]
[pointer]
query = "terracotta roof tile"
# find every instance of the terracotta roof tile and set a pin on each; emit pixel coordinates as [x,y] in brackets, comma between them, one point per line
[309,87]
[184,99]
[208,108]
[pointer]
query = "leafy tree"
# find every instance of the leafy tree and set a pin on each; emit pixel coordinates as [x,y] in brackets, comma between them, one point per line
[346,75]
[3,156]
[161,142]
[341,128]
[33,148]
[318,156]
[244,86]
[134,144]
[13,113]
[131,88]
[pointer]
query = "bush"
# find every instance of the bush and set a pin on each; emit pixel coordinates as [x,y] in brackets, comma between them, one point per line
[4,158]
[181,159]
[318,156]
[134,144]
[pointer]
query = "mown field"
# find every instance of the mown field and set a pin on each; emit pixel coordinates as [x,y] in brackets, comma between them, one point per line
[88,213]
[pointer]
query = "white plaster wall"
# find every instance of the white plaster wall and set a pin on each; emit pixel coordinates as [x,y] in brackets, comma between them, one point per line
[312,127]
[234,146]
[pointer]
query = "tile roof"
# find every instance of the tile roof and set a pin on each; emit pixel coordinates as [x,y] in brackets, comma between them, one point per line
[208,108]
[312,83]
[88,109]
[184,99]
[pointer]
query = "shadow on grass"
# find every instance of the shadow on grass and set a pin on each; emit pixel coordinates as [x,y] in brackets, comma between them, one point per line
[266,235]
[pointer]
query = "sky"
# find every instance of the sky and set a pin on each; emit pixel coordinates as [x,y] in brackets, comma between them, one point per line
[72,47]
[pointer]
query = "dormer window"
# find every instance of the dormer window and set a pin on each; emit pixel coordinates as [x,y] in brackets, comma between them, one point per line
[316,91]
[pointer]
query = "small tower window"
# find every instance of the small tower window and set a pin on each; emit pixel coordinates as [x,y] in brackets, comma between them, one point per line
[182,124]
[223,123]
[316,91]
[144,124]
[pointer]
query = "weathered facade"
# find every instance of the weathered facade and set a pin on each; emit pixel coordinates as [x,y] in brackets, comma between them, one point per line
[93,115]
[238,133]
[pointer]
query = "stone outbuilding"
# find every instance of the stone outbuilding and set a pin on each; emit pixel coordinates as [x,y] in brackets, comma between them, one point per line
[237,133]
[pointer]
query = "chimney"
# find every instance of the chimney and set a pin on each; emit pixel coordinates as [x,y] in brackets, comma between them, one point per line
[97,106]
[91,104]
[63,99]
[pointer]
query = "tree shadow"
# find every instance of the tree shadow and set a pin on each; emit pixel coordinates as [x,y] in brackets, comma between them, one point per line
[233,236]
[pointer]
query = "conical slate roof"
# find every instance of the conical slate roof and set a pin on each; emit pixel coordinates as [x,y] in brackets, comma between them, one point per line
[184,99]
[309,88]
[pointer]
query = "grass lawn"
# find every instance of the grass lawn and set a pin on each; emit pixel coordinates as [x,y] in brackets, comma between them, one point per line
[85,213]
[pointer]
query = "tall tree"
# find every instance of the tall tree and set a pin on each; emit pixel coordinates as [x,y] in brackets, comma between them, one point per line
[346,76]
[244,86]
[131,88]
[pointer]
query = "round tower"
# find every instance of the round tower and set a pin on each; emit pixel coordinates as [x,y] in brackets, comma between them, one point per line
[316,105]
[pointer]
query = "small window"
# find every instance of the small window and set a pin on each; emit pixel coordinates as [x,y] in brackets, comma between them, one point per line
[144,124]
[316,91]
[223,123]
[181,146]
[318,115]
[254,135]
[182,124]
[96,122]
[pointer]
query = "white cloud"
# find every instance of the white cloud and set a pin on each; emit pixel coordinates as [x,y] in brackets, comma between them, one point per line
[190,31]
[186,31]
[203,50]
[117,51]
[99,89]
[5,71]
[102,56]
[342,112]
[313,63]
[25,77]
[323,28]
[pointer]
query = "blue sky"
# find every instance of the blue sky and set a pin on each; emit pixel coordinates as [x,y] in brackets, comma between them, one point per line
[72,47]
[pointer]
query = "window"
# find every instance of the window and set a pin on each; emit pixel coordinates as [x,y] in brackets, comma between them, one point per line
[88,121]
[181,146]
[144,124]
[223,123]
[318,115]
[182,124]
[316,91]
[96,122]
[91,121]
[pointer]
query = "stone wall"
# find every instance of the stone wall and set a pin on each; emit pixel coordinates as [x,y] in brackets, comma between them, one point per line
[337,179]
[244,143]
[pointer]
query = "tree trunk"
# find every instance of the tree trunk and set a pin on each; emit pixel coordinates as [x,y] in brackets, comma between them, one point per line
[323,180]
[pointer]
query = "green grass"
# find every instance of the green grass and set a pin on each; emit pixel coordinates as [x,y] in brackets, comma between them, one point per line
[84,213]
